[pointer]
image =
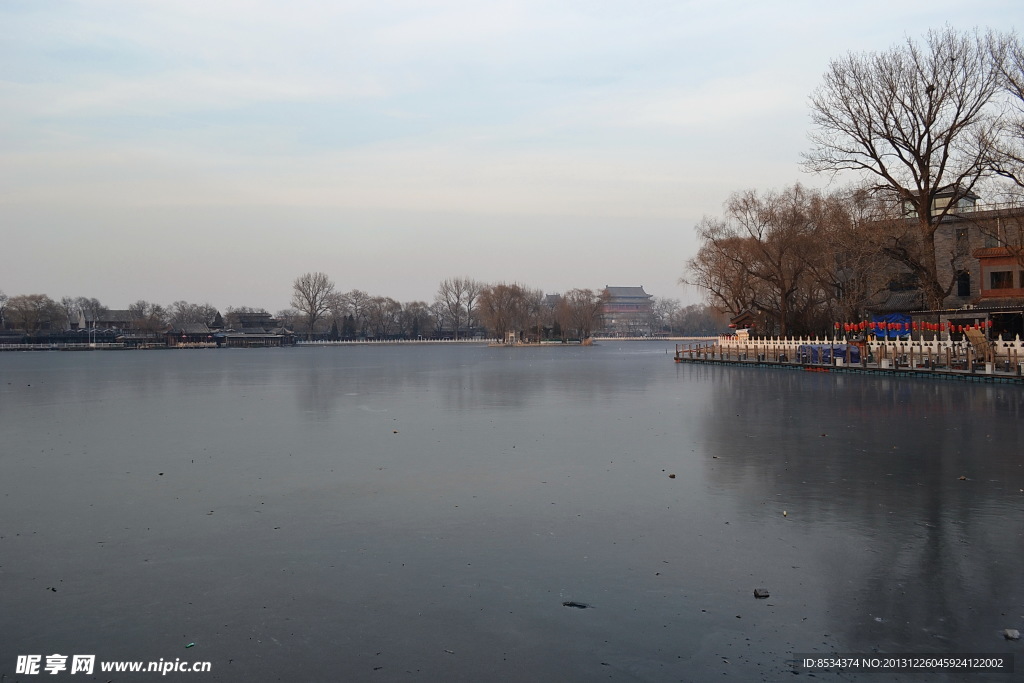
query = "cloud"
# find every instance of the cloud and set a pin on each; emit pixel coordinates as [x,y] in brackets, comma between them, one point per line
[546,122]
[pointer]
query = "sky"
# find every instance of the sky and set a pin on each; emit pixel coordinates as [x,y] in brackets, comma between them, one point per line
[213,151]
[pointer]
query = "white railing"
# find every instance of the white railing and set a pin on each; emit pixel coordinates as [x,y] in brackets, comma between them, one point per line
[1005,349]
[318,342]
[999,356]
[71,346]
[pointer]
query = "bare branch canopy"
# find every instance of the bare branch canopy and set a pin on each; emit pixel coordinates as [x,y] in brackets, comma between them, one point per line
[312,295]
[915,120]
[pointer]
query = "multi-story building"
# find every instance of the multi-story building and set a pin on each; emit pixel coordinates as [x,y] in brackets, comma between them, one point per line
[626,311]
[980,250]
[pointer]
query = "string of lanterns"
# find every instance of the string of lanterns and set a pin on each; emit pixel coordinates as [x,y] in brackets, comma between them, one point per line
[881,327]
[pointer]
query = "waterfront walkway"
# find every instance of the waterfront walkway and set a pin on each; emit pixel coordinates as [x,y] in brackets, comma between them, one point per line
[967,370]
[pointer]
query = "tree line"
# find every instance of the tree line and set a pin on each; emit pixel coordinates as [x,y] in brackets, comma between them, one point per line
[464,307]
[922,127]
[35,313]
[461,308]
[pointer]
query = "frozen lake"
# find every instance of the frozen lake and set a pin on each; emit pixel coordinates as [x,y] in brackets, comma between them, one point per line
[392,513]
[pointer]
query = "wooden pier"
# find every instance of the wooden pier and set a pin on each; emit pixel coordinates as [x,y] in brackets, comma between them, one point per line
[948,366]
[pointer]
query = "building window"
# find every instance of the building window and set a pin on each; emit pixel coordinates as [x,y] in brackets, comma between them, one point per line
[963,283]
[1001,279]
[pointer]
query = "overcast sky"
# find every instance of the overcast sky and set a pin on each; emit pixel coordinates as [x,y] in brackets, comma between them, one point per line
[214,150]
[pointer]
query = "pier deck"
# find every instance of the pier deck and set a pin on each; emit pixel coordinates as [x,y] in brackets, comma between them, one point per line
[1000,373]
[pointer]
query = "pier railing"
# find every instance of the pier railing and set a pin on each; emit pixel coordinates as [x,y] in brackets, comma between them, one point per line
[998,349]
[63,346]
[996,356]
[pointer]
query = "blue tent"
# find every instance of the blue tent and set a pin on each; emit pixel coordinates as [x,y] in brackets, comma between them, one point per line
[878,325]
[824,353]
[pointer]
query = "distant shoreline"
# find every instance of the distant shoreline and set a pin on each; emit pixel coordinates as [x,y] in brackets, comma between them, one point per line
[309,344]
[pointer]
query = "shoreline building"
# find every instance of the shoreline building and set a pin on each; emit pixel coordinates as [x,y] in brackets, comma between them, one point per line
[626,311]
[979,250]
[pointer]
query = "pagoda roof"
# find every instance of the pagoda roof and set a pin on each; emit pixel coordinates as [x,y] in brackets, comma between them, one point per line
[627,292]
[896,302]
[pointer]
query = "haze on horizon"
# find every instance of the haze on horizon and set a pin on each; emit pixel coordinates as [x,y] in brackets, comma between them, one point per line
[213,152]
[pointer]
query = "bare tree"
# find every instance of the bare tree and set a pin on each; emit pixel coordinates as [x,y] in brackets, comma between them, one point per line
[414,320]
[68,311]
[719,269]
[698,320]
[915,119]
[664,312]
[148,317]
[504,308]
[535,312]
[867,239]
[438,317]
[185,313]
[451,295]
[337,310]
[581,311]
[3,309]
[771,254]
[472,289]
[382,314]
[458,295]
[357,303]
[32,312]
[1008,147]
[82,308]
[311,296]
[91,307]
[288,317]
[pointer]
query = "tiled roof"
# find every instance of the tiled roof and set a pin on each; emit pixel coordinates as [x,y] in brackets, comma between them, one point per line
[1000,302]
[627,291]
[896,302]
[190,328]
[992,252]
